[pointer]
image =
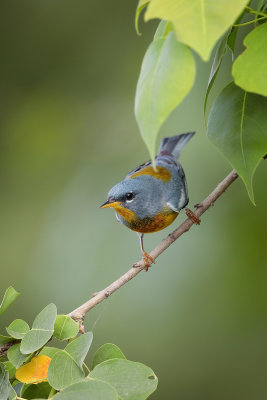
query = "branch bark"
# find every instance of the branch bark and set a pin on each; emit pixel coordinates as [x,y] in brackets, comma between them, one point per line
[79,313]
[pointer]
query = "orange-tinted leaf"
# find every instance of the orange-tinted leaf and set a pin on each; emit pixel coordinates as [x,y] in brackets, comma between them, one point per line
[35,371]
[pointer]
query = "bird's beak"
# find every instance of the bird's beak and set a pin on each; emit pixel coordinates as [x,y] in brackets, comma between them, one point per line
[110,203]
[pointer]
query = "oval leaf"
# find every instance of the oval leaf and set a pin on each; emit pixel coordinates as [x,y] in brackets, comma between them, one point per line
[198,23]
[9,297]
[237,126]
[88,389]
[107,352]
[35,371]
[18,329]
[15,356]
[250,68]
[65,327]
[79,347]
[167,75]
[132,380]
[42,330]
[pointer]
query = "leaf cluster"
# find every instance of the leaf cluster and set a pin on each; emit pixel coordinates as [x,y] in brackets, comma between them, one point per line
[237,123]
[31,369]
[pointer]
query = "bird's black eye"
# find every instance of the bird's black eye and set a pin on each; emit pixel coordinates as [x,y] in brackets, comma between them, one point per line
[129,196]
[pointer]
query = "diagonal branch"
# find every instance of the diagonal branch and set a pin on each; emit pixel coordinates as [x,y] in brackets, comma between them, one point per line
[79,313]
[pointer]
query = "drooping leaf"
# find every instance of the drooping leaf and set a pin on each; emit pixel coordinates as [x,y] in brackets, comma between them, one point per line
[49,351]
[18,329]
[34,391]
[88,389]
[65,368]
[167,75]
[141,5]
[5,340]
[9,297]
[237,126]
[34,371]
[107,352]
[42,330]
[198,23]
[250,68]
[132,380]
[65,327]
[15,356]
[4,382]
[9,367]
[220,52]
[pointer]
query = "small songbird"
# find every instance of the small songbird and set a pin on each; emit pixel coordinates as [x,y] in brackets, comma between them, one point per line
[149,199]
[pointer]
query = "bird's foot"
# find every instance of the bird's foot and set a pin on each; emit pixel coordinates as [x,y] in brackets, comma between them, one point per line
[148,260]
[192,216]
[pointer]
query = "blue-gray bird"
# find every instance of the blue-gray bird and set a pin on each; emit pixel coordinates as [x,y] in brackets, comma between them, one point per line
[147,199]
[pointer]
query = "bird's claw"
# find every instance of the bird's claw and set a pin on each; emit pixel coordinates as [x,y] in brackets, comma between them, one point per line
[194,218]
[148,260]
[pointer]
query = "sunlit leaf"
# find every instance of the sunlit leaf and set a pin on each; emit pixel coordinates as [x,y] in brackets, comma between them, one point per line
[65,327]
[132,380]
[237,126]
[250,68]
[9,297]
[42,330]
[15,356]
[88,389]
[167,75]
[107,352]
[198,23]
[18,328]
[35,371]
[141,5]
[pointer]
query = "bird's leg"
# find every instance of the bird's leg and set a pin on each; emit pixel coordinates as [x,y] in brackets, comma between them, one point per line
[148,260]
[192,216]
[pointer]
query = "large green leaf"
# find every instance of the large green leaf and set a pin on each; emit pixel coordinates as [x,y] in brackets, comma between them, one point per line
[65,366]
[167,75]
[42,330]
[132,380]
[18,329]
[250,68]
[9,297]
[4,383]
[237,126]
[88,389]
[107,352]
[15,356]
[65,327]
[198,23]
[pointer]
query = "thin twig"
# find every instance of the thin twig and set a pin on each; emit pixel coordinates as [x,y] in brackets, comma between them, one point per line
[79,313]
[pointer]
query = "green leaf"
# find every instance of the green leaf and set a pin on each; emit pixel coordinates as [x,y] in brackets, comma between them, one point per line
[132,380]
[107,352]
[34,391]
[12,395]
[250,68]
[49,351]
[233,33]
[79,347]
[220,53]
[167,75]
[18,329]
[15,356]
[9,297]
[65,327]
[141,5]
[163,29]
[9,367]
[4,383]
[65,366]
[5,340]
[63,371]
[198,23]
[237,126]
[88,389]
[42,330]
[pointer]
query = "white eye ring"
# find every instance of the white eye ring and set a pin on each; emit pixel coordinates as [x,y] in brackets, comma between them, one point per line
[129,201]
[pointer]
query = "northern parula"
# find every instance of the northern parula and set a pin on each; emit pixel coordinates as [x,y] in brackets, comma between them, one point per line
[147,199]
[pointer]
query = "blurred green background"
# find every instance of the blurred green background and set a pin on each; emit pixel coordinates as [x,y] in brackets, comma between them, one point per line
[68,74]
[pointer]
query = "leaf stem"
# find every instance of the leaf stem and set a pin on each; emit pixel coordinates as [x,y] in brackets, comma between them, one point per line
[251,11]
[52,393]
[251,22]
[86,367]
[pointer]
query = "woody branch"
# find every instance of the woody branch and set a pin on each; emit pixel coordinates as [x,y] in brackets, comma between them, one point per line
[79,313]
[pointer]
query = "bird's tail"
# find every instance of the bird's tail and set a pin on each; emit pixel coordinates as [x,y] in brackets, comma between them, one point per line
[175,144]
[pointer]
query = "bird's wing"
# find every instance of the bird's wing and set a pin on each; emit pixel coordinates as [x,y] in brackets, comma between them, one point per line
[139,168]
